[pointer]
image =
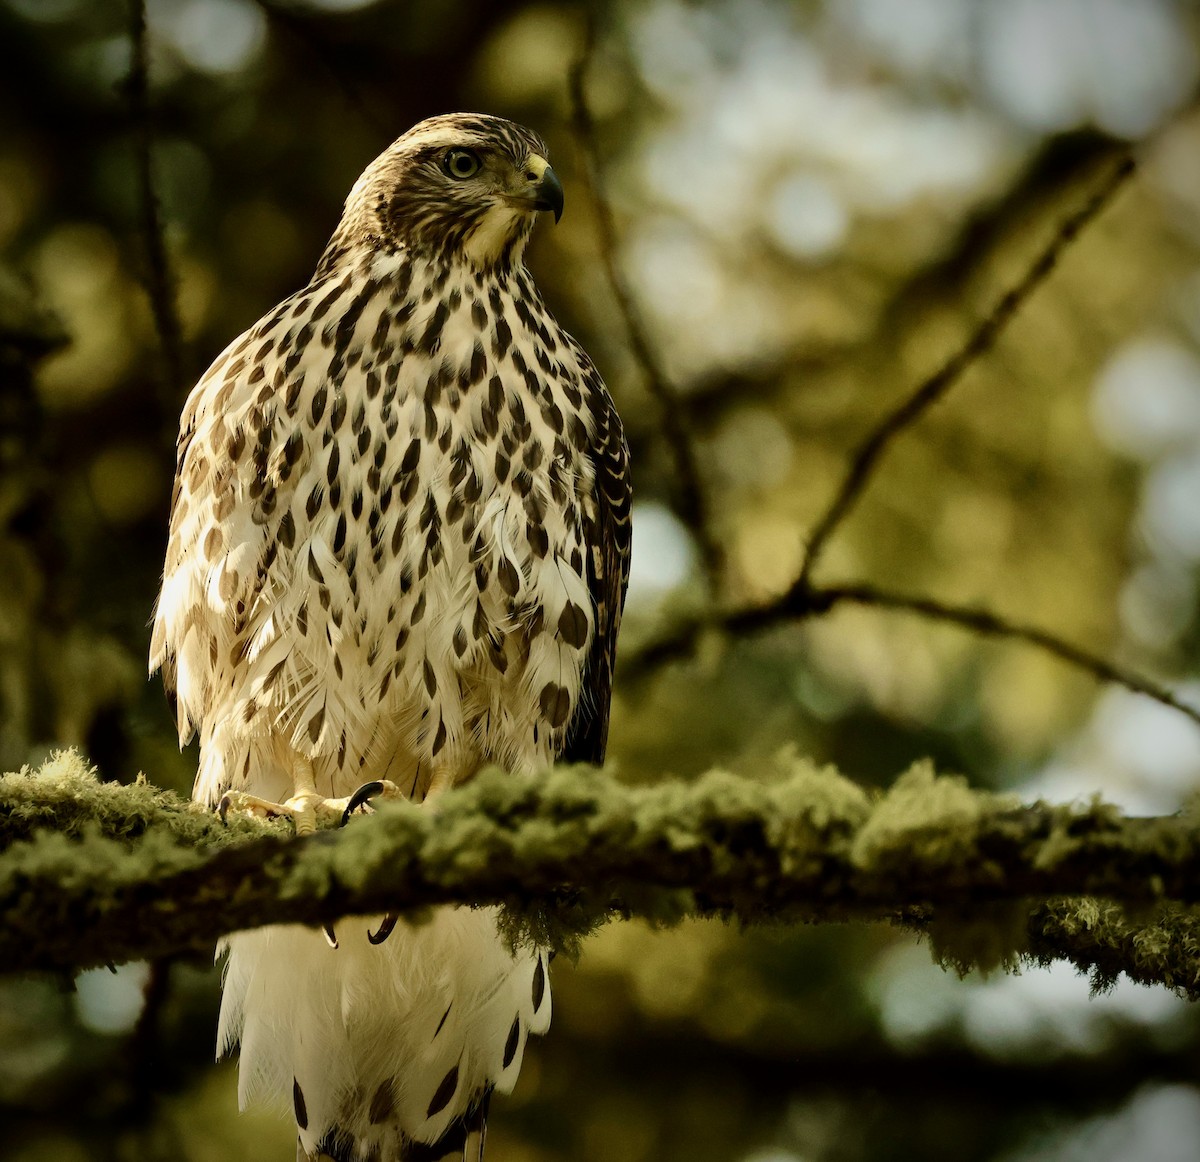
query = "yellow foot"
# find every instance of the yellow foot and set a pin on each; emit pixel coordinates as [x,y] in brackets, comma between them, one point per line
[307,809]
[243,804]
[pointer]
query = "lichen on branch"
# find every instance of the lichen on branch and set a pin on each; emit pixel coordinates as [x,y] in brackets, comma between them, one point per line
[94,873]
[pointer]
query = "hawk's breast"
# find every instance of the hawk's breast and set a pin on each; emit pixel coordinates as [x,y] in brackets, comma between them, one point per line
[399,568]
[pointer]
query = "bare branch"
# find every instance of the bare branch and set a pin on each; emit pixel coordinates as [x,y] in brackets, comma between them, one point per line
[287,17]
[803,600]
[1061,163]
[802,603]
[984,623]
[691,500]
[866,459]
[160,281]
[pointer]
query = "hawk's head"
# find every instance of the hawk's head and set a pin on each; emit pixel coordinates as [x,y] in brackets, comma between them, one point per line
[463,186]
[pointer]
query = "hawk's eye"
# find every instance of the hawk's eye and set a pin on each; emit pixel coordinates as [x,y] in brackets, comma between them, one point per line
[461,163]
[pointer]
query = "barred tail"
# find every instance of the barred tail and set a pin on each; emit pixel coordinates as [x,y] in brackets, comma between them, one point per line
[386,1052]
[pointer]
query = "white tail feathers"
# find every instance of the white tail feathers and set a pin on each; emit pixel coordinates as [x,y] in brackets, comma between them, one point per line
[383,1048]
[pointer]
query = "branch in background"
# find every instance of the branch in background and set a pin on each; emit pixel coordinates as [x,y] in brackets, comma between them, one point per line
[131,872]
[922,1073]
[160,282]
[800,604]
[691,500]
[804,600]
[288,18]
[988,624]
[869,454]
[1063,162]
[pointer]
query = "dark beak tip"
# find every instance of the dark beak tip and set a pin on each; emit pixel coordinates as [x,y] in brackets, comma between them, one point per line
[550,194]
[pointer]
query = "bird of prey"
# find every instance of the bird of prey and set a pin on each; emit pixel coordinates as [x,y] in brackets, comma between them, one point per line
[399,545]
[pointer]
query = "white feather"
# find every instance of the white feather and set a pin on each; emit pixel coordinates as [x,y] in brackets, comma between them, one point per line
[363,1028]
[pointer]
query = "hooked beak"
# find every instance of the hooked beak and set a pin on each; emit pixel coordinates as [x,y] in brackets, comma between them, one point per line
[545,188]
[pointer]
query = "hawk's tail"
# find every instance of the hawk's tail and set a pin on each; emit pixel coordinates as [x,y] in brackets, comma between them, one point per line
[387,1052]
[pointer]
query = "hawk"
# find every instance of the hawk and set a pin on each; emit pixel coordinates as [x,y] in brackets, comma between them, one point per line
[398,551]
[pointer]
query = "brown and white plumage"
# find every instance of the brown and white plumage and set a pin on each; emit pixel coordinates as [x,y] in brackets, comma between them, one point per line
[398,550]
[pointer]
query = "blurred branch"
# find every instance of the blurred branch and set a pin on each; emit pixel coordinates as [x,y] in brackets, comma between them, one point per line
[1064,162]
[691,501]
[802,602]
[94,872]
[987,624]
[288,17]
[935,1073]
[160,282]
[870,452]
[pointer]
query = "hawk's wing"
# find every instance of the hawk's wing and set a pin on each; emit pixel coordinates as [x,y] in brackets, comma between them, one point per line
[608,530]
[240,454]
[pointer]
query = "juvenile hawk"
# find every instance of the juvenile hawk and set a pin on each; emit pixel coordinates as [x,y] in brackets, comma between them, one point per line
[398,551]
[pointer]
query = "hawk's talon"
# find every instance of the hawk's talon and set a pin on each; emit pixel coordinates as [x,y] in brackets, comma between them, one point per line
[364,794]
[385,929]
[330,936]
[223,809]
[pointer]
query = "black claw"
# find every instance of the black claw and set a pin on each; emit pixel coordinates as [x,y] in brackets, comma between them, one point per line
[330,935]
[384,930]
[223,808]
[364,794]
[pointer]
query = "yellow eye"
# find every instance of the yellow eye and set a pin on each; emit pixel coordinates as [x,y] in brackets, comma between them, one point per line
[461,163]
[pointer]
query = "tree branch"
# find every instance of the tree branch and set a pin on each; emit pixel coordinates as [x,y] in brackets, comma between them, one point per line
[1101,940]
[131,872]
[804,600]
[691,501]
[866,459]
[160,281]
[290,19]
[801,604]
[987,624]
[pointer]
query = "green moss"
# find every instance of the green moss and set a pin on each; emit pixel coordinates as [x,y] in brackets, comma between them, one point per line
[937,815]
[93,872]
[985,939]
[66,796]
[1102,939]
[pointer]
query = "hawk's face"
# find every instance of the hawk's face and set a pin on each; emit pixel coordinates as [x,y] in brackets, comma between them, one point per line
[462,187]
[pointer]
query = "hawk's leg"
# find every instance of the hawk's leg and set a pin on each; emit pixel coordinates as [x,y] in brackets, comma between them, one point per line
[441,780]
[307,807]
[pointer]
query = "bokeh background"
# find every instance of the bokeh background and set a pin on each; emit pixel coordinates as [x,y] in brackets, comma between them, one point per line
[815,203]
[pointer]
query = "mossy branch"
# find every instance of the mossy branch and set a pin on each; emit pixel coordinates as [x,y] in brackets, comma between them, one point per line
[93,873]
